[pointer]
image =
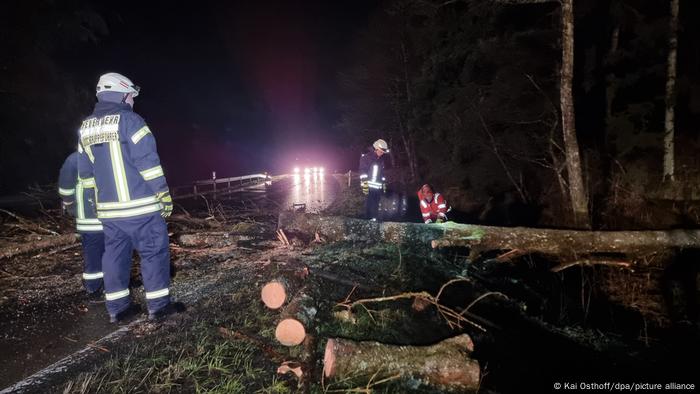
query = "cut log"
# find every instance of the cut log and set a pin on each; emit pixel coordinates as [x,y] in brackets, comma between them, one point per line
[445,366]
[530,240]
[194,222]
[290,279]
[42,242]
[295,321]
[278,291]
[211,239]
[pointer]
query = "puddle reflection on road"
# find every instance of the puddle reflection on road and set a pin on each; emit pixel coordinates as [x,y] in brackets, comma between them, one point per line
[311,190]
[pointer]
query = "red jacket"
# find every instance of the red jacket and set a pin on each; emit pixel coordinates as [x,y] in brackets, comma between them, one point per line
[434,209]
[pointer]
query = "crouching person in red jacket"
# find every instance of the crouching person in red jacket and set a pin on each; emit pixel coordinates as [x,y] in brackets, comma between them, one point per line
[433,206]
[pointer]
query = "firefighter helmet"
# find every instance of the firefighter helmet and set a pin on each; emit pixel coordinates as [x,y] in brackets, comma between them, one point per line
[114,82]
[381,144]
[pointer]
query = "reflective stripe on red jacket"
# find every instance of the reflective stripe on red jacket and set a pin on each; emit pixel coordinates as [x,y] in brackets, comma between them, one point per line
[433,209]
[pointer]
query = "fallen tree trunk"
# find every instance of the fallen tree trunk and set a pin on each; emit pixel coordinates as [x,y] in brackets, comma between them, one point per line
[211,239]
[43,242]
[296,320]
[445,366]
[529,240]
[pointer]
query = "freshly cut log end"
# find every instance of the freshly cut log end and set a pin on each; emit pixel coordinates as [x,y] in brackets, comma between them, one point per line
[329,358]
[290,332]
[274,295]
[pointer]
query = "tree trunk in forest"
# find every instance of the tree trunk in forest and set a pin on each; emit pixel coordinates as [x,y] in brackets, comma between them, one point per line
[577,191]
[445,366]
[528,240]
[669,129]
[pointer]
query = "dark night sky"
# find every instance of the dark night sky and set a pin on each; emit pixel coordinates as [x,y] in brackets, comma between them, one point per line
[230,87]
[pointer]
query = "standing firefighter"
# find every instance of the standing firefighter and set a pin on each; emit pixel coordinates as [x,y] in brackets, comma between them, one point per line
[433,206]
[79,200]
[372,177]
[118,153]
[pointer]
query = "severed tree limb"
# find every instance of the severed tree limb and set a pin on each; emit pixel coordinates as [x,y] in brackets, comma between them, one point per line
[453,318]
[45,242]
[608,262]
[445,365]
[26,225]
[211,239]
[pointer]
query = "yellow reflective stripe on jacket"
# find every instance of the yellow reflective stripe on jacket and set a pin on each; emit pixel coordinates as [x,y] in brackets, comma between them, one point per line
[116,295]
[89,228]
[157,294]
[87,183]
[127,204]
[66,192]
[88,221]
[115,151]
[88,225]
[152,173]
[91,157]
[80,204]
[125,213]
[143,131]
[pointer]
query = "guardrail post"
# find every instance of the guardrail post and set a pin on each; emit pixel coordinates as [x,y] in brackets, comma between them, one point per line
[213,178]
[349,177]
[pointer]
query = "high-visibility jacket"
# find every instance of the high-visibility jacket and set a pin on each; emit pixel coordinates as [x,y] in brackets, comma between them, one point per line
[433,209]
[117,152]
[372,170]
[82,195]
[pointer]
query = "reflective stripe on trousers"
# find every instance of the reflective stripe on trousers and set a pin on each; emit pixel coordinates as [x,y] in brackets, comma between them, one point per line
[149,236]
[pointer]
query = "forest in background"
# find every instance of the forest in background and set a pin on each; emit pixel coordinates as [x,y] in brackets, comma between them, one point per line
[467,94]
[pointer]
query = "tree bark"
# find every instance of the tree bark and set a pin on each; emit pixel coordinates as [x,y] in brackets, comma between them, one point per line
[577,191]
[445,366]
[528,240]
[669,128]
[44,242]
[295,321]
[211,239]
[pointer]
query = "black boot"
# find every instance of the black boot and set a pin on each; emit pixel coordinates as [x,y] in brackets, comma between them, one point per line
[166,311]
[125,315]
[94,297]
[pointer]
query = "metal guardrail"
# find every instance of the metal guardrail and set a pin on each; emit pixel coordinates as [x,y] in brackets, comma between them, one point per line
[214,185]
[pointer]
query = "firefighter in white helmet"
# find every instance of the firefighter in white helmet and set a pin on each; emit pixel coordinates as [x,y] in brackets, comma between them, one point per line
[372,178]
[118,155]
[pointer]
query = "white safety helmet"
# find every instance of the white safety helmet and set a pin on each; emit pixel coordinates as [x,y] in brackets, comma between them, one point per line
[114,82]
[381,144]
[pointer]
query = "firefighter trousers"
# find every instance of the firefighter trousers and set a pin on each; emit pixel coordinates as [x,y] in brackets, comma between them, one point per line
[149,236]
[372,203]
[93,248]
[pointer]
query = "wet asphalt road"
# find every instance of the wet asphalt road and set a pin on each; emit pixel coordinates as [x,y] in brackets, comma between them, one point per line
[39,335]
